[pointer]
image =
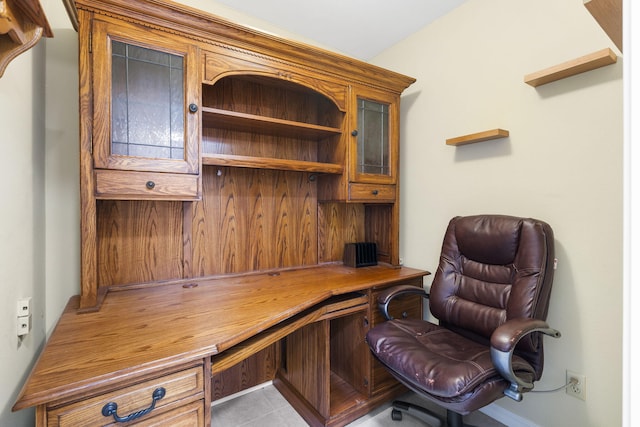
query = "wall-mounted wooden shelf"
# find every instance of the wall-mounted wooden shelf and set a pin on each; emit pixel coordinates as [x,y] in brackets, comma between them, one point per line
[608,13]
[22,24]
[478,137]
[585,63]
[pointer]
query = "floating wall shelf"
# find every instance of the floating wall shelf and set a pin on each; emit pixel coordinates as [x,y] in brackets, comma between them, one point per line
[585,63]
[478,137]
[608,13]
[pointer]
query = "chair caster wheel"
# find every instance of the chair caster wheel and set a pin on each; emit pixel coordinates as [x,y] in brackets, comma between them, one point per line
[396,415]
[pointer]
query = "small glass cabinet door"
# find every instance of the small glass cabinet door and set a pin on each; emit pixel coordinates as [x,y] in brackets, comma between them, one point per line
[374,137]
[146,102]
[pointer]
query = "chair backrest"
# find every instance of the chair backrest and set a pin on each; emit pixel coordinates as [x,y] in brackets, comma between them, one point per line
[494,268]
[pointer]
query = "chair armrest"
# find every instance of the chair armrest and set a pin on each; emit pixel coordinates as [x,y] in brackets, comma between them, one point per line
[503,343]
[385,297]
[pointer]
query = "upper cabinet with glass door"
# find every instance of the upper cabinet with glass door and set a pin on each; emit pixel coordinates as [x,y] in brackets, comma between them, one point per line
[146,96]
[373,149]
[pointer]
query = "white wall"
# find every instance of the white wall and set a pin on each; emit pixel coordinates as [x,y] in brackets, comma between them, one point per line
[562,163]
[22,219]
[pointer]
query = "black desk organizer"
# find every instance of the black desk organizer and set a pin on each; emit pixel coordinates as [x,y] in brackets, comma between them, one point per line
[360,254]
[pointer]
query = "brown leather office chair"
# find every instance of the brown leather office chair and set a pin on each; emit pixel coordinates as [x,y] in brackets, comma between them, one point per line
[490,295]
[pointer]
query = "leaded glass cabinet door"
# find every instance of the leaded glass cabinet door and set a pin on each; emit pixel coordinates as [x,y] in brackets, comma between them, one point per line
[374,145]
[146,101]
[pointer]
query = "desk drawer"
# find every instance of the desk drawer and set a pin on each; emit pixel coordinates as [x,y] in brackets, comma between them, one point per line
[185,416]
[126,185]
[372,192]
[181,388]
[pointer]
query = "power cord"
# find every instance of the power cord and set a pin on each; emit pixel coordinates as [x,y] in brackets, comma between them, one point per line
[571,382]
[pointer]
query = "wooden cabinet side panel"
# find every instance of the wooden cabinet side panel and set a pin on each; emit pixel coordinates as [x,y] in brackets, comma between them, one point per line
[88,250]
[349,353]
[307,365]
[139,241]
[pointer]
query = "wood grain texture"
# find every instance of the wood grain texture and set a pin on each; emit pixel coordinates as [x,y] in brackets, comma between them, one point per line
[338,224]
[249,372]
[139,241]
[608,13]
[22,24]
[186,384]
[127,185]
[251,220]
[350,356]
[380,223]
[254,162]
[198,25]
[309,375]
[219,64]
[267,118]
[140,331]
[88,231]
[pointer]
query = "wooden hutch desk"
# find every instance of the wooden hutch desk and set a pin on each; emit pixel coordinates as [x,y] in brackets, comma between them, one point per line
[177,335]
[222,172]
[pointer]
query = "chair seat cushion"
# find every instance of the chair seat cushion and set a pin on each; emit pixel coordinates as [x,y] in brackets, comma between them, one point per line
[437,361]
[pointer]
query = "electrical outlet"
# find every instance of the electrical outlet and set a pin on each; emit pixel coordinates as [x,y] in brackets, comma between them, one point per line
[24,325]
[578,388]
[23,307]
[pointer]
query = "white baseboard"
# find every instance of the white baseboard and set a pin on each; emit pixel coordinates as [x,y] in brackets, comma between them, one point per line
[508,418]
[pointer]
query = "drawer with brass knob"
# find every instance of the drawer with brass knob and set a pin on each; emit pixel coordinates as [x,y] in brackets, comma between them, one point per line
[126,185]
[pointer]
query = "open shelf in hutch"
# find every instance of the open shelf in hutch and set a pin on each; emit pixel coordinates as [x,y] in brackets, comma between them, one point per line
[268,123]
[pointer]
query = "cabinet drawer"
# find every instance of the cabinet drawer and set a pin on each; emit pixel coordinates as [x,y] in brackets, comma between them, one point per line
[372,192]
[190,415]
[112,184]
[184,386]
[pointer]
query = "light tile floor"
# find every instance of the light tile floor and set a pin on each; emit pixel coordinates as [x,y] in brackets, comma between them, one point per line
[265,407]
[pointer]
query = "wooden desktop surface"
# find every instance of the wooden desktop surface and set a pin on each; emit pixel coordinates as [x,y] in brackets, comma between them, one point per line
[146,329]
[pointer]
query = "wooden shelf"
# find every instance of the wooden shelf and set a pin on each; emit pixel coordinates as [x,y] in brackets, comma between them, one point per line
[22,24]
[270,163]
[608,14]
[478,137]
[585,63]
[242,122]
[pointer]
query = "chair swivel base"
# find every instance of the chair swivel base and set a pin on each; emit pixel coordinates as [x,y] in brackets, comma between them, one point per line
[399,407]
